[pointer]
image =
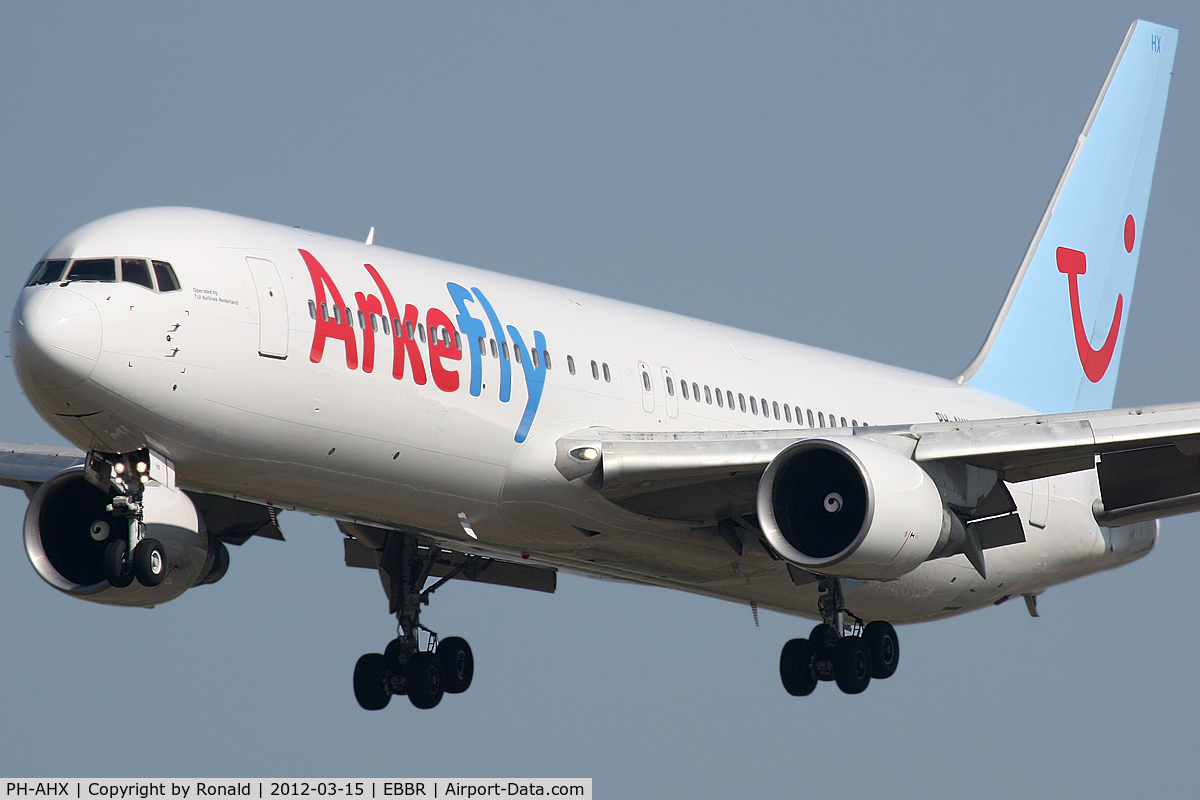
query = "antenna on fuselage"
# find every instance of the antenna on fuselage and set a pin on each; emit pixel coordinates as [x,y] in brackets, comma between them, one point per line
[371,235]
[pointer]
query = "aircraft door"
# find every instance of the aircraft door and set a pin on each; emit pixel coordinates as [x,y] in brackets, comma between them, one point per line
[272,308]
[647,387]
[672,398]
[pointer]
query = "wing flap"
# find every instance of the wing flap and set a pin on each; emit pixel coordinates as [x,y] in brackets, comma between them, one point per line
[1025,448]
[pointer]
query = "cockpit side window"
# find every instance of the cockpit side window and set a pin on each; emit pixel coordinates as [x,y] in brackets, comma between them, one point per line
[167,282]
[47,271]
[136,270]
[93,269]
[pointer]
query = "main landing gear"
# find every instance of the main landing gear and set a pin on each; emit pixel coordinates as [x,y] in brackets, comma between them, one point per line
[850,655]
[133,555]
[426,673]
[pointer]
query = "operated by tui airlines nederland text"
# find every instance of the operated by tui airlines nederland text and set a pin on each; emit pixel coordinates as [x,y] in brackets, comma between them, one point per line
[459,424]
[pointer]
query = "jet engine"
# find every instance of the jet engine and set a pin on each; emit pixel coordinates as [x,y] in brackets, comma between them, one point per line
[68,525]
[850,507]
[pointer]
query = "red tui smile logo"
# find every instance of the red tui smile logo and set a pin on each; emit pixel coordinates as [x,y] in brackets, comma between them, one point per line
[1073,263]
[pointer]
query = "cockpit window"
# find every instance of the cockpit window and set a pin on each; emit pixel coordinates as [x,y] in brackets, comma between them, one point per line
[136,270]
[47,271]
[167,282]
[93,269]
[104,270]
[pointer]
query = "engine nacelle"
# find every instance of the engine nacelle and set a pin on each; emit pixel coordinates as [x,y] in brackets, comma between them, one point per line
[67,529]
[849,507]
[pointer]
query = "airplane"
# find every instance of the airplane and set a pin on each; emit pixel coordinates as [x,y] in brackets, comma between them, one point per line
[457,424]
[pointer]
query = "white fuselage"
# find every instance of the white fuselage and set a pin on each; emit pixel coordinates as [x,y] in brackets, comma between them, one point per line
[251,385]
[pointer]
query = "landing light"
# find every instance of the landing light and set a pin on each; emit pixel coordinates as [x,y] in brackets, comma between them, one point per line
[585,453]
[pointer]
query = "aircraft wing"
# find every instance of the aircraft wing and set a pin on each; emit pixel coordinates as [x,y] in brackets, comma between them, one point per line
[1147,460]
[27,466]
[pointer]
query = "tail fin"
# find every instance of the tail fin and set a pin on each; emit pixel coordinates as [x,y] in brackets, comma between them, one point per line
[1076,281]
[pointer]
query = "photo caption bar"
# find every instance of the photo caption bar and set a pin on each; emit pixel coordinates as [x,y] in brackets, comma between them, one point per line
[265,789]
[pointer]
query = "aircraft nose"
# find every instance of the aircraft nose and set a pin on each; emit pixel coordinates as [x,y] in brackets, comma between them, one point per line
[56,338]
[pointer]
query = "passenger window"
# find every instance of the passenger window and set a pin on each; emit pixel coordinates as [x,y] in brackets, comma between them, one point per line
[854,423]
[47,272]
[787,412]
[93,269]
[695,392]
[571,364]
[670,387]
[546,358]
[646,380]
[324,312]
[482,346]
[457,342]
[165,273]
[533,352]
[683,388]
[729,399]
[753,405]
[421,332]
[775,408]
[607,374]
[517,351]
[397,327]
[492,344]
[810,419]
[136,270]
[349,318]
[720,398]
[386,330]
[707,394]
[504,350]
[595,371]
[843,422]
[765,410]
[742,402]
[408,326]
[337,315]
[312,308]
[821,418]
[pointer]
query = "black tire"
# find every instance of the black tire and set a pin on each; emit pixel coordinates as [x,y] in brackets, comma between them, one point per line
[823,636]
[851,664]
[884,646]
[117,570]
[370,682]
[796,667]
[458,664]
[396,654]
[149,562]
[424,679]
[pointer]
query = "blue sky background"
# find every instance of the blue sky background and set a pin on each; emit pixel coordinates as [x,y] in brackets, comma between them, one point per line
[859,179]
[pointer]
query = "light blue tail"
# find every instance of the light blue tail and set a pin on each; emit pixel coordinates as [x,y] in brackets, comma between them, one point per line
[1056,343]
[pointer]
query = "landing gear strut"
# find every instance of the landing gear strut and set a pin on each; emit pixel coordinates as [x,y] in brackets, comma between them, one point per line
[424,673]
[848,654]
[134,555]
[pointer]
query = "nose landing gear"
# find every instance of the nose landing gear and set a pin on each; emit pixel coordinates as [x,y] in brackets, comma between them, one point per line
[848,654]
[134,555]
